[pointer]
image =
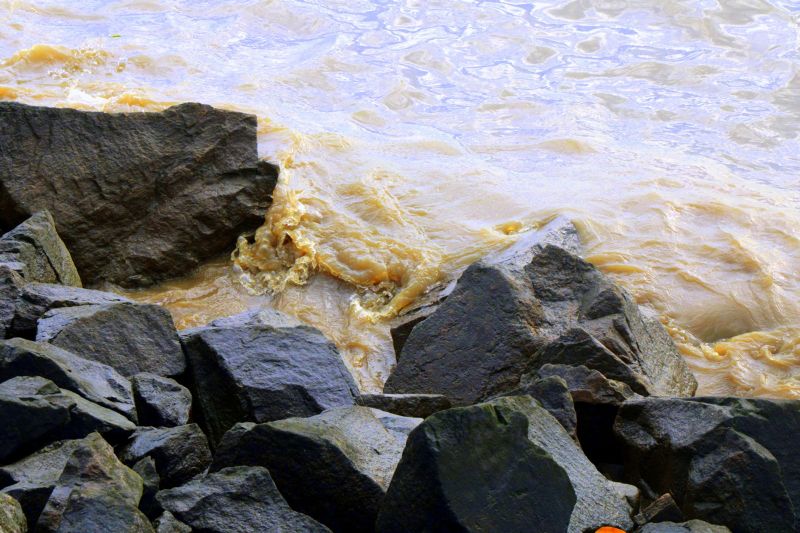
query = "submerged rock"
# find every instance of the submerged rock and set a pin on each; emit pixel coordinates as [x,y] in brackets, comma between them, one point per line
[93,381]
[334,467]
[262,367]
[413,405]
[132,338]
[94,493]
[730,461]
[185,183]
[160,401]
[507,318]
[180,453]
[474,469]
[235,500]
[12,519]
[35,251]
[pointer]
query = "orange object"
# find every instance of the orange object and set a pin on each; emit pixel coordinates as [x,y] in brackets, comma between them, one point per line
[609,529]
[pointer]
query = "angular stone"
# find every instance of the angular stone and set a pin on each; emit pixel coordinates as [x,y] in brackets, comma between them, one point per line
[146,468]
[663,509]
[554,395]
[11,284]
[87,417]
[235,500]
[132,338]
[93,381]
[160,401]
[166,523]
[180,453]
[262,367]
[474,469]
[412,405]
[12,519]
[504,320]
[312,459]
[691,526]
[95,492]
[185,183]
[730,461]
[37,253]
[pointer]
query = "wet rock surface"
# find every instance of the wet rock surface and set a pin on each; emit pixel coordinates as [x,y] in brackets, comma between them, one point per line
[262,368]
[137,197]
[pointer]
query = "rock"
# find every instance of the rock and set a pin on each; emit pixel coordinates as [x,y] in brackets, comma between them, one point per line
[235,500]
[504,320]
[27,419]
[35,299]
[411,405]
[553,394]
[474,469]
[146,468]
[312,459]
[87,417]
[730,461]
[35,251]
[692,526]
[560,232]
[132,338]
[185,183]
[262,367]
[166,523]
[94,493]
[160,401]
[12,519]
[11,284]
[93,381]
[399,426]
[180,453]
[31,480]
[663,509]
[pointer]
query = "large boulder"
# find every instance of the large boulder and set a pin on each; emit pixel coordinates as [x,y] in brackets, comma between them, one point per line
[474,469]
[261,367]
[12,519]
[240,499]
[729,461]
[94,493]
[180,453]
[312,459]
[507,317]
[138,197]
[160,401]
[93,381]
[130,337]
[35,251]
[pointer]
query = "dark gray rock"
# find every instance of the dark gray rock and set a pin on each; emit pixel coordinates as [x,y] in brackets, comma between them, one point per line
[87,417]
[730,461]
[12,519]
[11,284]
[180,453]
[474,469]
[413,405]
[691,526]
[663,509]
[132,338]
[94,493]
[185,183]
[93,381]
[146,468]
[262,367]
[32,479]
[504,320]
[313,459]
[35,251]
[553,394]
[167,523]
[35,299]
[160,401]
[235,500]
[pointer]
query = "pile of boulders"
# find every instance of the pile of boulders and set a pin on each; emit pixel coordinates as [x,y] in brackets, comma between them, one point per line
[531,394]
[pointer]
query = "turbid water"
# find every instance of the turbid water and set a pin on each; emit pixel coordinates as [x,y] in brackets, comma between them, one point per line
[415,137]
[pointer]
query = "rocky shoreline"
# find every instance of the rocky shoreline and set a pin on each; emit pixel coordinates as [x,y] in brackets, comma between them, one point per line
[532,394]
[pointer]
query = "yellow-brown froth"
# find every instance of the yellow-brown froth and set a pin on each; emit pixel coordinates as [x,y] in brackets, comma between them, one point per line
[414,138]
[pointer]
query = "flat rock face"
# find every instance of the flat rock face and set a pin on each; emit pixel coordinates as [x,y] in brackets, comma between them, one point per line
[504,320]
[93,381]
[245,369]
[729,461]
[180,453]
[131,338]
[413,405]
[334,467]
[184,184]
[235,500]
[473,469]
[160,401]
[35,250]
